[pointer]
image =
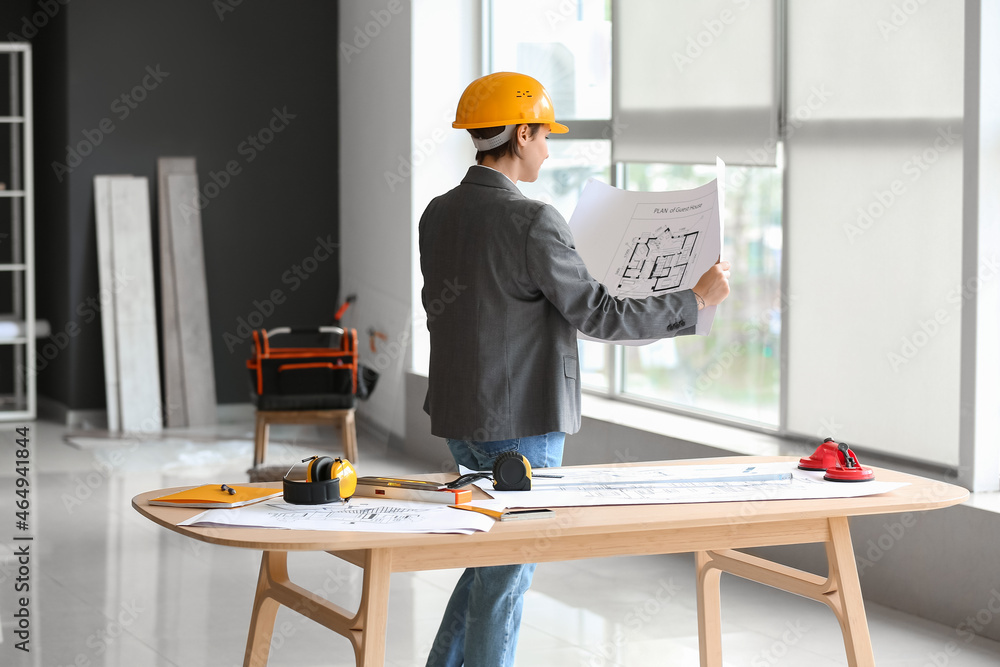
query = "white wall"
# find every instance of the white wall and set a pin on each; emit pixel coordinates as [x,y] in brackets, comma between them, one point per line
[374,44]
[442,68]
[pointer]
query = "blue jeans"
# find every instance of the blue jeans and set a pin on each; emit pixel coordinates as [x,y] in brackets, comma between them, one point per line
[483,616]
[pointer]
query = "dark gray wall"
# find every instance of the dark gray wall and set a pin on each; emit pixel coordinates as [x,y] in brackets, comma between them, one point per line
[208,83]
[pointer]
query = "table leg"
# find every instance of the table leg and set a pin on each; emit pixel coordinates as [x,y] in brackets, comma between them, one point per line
[260,440]
[348,435]
[709,611]
[373,611]
[845,595]
[273,566]
[840,590]
[365,629]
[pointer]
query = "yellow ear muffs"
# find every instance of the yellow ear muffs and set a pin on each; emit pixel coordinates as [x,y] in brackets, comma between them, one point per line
[317,487]
[348,476]
[318,469]
[323,468]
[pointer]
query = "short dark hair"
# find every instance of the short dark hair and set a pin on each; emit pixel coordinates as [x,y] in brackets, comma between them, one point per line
[502,149]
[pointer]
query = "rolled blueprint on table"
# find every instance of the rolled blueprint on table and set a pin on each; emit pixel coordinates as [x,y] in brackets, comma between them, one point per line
[642,244]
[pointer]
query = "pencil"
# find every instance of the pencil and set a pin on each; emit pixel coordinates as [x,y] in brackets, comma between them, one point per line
[482,510]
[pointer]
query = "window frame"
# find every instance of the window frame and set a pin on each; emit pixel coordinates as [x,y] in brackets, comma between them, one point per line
[605,130]
[978,461]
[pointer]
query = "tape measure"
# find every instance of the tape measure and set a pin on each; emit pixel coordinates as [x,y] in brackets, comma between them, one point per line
[511,472]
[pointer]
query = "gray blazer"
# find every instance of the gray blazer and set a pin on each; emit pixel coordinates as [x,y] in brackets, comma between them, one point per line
[505,293]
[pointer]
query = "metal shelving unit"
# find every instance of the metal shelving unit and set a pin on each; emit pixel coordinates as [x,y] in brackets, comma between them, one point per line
[17,242]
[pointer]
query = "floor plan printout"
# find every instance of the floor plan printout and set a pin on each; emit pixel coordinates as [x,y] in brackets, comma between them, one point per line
[654,485]
[641,244]
[367,515]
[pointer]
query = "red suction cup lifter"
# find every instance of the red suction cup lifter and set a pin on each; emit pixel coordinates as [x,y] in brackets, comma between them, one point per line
[823,458]
[848,469]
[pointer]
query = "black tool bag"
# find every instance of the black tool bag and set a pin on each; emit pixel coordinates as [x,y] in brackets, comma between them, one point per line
[311,377]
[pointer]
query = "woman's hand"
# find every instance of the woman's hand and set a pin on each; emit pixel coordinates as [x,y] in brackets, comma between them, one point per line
[713,287]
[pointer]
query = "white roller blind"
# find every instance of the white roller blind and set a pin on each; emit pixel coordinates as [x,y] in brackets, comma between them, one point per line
[875,59]
[695,80]
[874,225]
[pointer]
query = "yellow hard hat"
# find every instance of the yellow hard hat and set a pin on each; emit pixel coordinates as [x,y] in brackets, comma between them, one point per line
[506,98]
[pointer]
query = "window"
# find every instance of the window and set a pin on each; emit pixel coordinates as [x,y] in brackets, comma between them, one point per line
[736,371]
[843,125]
[566,44]
[874,158]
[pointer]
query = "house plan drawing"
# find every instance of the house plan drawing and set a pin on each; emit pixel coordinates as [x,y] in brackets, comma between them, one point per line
[655,262]
[647,244]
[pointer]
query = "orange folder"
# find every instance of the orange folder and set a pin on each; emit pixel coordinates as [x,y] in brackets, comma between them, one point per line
[213,496]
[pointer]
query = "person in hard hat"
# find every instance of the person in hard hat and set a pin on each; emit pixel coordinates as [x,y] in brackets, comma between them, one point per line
[505,293]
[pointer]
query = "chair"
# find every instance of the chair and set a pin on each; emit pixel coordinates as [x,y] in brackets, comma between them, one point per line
[342,419]
[305,385]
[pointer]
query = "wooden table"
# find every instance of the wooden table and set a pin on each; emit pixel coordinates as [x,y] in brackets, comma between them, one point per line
[711,530]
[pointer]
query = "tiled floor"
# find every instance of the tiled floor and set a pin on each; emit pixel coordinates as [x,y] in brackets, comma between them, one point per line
[108,587]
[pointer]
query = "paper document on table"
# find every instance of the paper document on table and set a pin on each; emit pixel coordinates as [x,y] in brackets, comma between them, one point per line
[361,515]
[653,485]
[641,244]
